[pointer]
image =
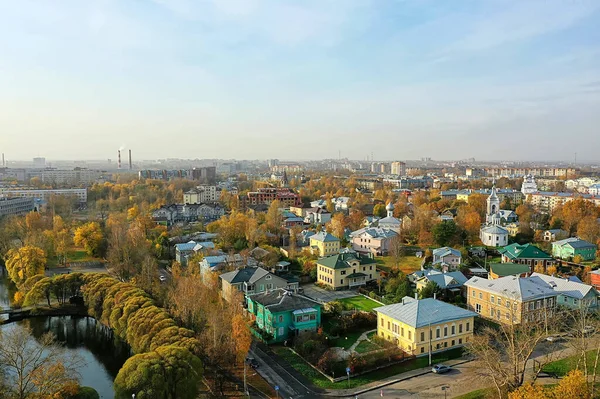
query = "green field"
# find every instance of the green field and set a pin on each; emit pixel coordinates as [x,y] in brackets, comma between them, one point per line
[408,264]
[360,302]
[367,346]
[563,366]
[319,380]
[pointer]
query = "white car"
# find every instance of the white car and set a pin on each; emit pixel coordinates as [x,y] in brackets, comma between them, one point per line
[162,278]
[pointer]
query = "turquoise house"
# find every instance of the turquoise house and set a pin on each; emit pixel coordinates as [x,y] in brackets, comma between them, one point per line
[569,248]
[282,314]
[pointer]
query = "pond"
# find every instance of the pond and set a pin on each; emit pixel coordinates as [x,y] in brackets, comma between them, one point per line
[102,353]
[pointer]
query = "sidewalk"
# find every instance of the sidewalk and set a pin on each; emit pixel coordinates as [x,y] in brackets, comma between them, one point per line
[350,393]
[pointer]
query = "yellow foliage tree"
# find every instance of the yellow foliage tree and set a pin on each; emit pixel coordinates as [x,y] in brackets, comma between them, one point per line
[90,237]
[574,385]
[528,391]
[24,263]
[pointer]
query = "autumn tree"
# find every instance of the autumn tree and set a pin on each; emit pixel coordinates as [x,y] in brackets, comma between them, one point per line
[379,210]
[25,262]
[468,219]
[37,368]
[169,372]
[338,225]
[90,237]
[397,249]
[588,229]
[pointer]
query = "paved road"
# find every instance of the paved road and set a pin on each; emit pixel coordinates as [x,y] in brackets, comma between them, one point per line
[288,381]
[322,295]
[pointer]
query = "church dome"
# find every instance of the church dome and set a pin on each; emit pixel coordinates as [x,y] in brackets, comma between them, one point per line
[390,207]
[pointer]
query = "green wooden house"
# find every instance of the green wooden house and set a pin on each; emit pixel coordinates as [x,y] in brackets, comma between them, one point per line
[282,314]
[571,247]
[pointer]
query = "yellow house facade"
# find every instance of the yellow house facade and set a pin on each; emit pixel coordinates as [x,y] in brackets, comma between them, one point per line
[324,244]
[421,326]
[346,270]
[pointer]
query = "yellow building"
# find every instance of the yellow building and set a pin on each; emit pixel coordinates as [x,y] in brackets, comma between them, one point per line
[421,326]
[324,244]
[347,270]
[511,299]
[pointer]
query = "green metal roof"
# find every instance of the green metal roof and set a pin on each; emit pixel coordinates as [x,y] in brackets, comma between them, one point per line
[508,269]
[526,251]
[340,261]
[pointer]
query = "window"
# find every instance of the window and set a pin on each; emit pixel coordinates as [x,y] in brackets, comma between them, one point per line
[422,350]
[445,331]
[452,342]
[280,331]
[281,318]
[481,295]
[468,326]
[473,292]
[342,281]
[402,331]
[437,332]
[268,277]
[507,303]
[453,329]
[478,308]
[382,322]
[389,328]
[460,328]
[313,317]
[409,334]
[343,272]
[499,301]
[460,341]
[492,299]
[491,312]
[422,336]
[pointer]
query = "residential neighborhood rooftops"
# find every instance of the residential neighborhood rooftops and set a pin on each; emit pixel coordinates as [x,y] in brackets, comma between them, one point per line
[524,289]
[281,300]
[444,251]
[374,232]
[564,285]
[324,236]
[445,280]
[245,275]
[420,313]
[509,269]
[526,251]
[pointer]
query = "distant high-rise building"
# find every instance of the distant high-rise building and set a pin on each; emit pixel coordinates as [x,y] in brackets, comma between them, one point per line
[39,162]
[398,168]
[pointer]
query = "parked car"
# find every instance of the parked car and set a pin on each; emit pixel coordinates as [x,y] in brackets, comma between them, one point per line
[252,362]
[440,369]
[554,338]
[162,278]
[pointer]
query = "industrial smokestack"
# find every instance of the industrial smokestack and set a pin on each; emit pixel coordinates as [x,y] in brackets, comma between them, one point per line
[119,160]
[130,164]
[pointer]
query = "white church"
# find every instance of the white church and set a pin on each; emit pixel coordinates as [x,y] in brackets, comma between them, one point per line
[492,234]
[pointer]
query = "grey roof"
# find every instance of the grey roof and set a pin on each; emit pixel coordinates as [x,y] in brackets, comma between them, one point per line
[494,230]
[281,300]
[245,275]
[564,286]
[324,236]
[524,289]
[574,242]
[419,313]
[445,280]
[375,232]
[441,252]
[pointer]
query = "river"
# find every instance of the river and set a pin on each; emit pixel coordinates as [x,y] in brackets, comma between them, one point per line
[84,336]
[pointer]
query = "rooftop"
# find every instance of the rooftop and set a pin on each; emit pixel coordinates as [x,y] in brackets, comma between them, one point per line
[323,236]
[341,260]
[565,286]
[574,242]
[524,289]
[509,269]
[280,300]
[419,313]
[526,251]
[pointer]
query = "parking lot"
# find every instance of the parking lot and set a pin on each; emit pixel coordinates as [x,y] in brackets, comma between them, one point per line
[322,295]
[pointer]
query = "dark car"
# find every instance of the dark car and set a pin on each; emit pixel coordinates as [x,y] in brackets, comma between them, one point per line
[252,362]
[440,369]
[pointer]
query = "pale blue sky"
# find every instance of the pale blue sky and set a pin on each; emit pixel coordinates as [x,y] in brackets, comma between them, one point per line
[300,79]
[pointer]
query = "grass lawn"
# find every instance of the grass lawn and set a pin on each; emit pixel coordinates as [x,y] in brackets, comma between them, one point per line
[360,302]
[479,394]
[408,264]
[563,366]
[319,380]
[347,340]
[79,255]
[366,346]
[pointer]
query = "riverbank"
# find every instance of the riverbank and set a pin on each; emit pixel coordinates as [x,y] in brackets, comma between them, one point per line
[31,312]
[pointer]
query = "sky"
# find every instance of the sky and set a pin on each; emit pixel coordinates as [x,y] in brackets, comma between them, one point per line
[304,79]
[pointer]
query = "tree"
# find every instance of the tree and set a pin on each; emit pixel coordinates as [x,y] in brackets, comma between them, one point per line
[588,229]
[529,391]
[338,225]
[396,250]
[169,372]
[503,351]
[90,237]
[274,219]
[444,232]
[574,385]
[379,210]
[36,367]
[25,262]
[429,290]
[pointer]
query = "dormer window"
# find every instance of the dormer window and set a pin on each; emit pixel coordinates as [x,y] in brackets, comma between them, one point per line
[268,277]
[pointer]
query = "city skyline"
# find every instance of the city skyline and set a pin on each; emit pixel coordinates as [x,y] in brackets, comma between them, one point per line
[262,79]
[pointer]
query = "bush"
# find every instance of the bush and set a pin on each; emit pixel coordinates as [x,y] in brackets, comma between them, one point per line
[87,393]
[310,346]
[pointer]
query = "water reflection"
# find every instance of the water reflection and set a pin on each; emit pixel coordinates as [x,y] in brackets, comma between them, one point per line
[102,353]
